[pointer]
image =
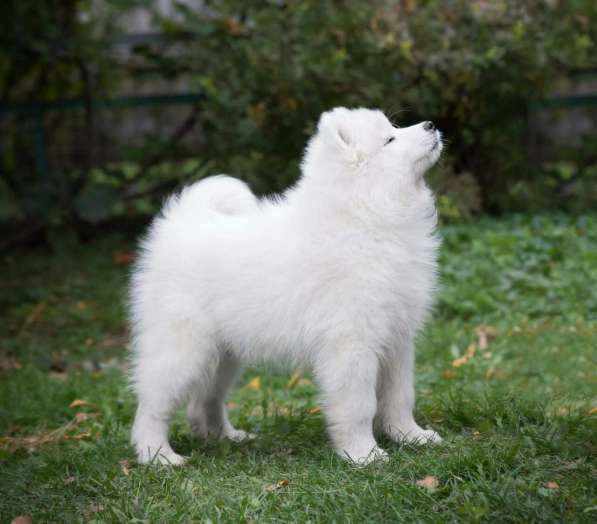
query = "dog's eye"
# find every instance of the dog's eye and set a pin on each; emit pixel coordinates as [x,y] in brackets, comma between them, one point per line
[390,140]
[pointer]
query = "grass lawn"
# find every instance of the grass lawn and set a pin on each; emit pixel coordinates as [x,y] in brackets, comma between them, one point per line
[504,374]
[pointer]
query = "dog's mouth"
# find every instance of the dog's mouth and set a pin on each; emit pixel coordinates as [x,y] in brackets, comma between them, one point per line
[437,141]
[432,155]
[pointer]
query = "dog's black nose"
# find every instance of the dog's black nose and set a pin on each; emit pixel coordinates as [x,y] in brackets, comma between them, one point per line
[429,126]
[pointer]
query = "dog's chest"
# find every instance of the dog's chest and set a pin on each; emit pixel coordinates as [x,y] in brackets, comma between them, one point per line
[392,278]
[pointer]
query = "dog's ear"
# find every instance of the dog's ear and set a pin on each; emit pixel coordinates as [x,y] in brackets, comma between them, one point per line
[335,127]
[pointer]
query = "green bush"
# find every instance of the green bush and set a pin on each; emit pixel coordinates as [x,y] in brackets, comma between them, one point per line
[270,68]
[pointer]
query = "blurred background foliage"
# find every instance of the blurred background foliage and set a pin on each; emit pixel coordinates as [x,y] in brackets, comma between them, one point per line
[84,139]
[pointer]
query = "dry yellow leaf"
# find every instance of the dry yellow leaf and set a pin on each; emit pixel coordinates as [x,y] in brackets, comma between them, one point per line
[460,361]
[124,466]
[593,410]
[429,482]
[314,411]
[471,350]
[254,384]
[484,335]
[294,380]
[79,402]
[81,436]
[552,485]
[278,485]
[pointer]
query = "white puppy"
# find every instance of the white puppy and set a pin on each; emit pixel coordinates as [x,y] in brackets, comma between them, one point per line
[337,274]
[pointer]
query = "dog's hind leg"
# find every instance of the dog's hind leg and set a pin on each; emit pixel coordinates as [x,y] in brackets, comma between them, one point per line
[169,362]
[207,412]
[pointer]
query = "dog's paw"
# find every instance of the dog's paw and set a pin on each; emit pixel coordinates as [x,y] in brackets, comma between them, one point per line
[161,457]
[238,435]
[363,457]
[417,436]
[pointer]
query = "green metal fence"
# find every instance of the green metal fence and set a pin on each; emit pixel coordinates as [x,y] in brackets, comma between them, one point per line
[35,112]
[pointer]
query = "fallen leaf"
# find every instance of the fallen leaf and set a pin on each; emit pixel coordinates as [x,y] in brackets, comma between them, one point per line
[471,350]
[484,335]
[9,363]
[294,380]
[593,411]
[278,485]
[80,402]
[460,361]
[314,411]
[563,411]
[70,479]
[428,482]
[254,384]
[448,374]
[125,467]
[469,353]
[34,442]
[552,485]
[123,258]
[22,519]
[81,436]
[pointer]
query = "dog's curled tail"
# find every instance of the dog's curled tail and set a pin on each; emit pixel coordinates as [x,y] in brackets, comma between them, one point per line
[220,194]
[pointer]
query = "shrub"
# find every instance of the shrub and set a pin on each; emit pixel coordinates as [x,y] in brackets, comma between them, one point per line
[270,68]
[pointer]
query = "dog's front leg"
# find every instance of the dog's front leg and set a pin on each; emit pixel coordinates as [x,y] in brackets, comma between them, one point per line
[396,394]
[347,376]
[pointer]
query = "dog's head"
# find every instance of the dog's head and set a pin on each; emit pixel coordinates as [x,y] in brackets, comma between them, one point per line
[363,143]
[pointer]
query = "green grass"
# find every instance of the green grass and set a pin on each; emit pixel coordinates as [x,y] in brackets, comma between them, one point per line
[515,416]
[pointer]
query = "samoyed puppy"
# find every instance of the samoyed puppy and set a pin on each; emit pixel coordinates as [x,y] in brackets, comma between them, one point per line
[337,274]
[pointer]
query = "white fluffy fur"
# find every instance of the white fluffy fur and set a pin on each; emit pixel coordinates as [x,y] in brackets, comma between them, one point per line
[337,274]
